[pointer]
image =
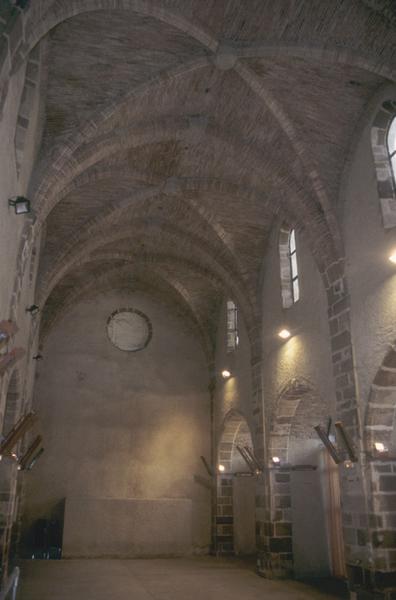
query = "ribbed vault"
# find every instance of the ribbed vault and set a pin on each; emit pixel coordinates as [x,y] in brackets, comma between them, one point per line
[175,132]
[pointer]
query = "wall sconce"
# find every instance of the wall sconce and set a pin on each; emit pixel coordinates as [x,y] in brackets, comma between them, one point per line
[221,468]
[246,458]
[392,258]
[331,449]
[284,334]
[37,357]
[20,204]
[16,433]
[226,374]
[276,460]
[33,309]
[29,454]
[7,330]
[34,460]
[250,453]
[346,441]
[380,447]
[208,468]
[10,358]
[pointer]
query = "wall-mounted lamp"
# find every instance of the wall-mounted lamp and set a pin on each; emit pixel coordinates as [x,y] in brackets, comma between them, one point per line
[7,330]
[246,457]
[29,454]
[16,433]
[20,204]
[276,460]
[380,447]
[10,358]
[33,309]
[226,374]
[256,463]
[207,466]
[346,441]
[34,459]
[284,334]
[37,357]
[392,258]
[221,468]
[331,449]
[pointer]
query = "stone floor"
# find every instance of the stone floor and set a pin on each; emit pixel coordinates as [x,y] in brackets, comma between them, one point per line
[155,579]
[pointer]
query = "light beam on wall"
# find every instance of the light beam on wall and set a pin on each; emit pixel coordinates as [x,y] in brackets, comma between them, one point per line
[392,258]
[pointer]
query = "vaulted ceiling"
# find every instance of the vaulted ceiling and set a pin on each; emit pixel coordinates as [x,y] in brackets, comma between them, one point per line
[177,132]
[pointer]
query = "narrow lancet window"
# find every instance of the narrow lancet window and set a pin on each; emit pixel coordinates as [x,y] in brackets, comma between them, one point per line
[232,326]
[391,143]
[295,286]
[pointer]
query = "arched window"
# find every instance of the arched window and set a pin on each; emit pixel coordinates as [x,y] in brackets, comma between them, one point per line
[391,143]
[232,326]
[290,285]
[295,286]
[383,143]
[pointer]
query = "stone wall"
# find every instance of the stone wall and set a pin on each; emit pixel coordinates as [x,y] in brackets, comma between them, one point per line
[122,425]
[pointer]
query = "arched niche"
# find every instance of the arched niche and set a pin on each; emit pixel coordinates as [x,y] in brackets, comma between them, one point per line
[305,489]
[380,446]
[236,484]
[8,475]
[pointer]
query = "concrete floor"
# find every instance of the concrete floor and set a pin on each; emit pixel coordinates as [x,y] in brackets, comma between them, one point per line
[155,579]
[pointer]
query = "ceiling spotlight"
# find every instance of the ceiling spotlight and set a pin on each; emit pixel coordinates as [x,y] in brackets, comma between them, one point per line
[33,309]
[380,447]
[392,258]
[276,460]
[21,205]
[221,468]
[284,334]
[225,374]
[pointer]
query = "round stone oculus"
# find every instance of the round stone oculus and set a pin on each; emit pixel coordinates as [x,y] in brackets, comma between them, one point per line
[129,329]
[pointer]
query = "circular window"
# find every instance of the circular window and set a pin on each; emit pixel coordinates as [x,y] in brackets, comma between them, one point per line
[129,329]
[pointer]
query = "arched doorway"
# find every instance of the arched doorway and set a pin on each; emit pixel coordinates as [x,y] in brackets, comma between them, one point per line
[305,488]
[8,478]
[380,446]
[236,485]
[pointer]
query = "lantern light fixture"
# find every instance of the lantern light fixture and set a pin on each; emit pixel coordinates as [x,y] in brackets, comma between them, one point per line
[226,374]
[20,204]
[33,309]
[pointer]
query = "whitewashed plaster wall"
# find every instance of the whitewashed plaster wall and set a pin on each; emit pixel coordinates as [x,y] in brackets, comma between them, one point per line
[306,354]
[371,277]
[119,424]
